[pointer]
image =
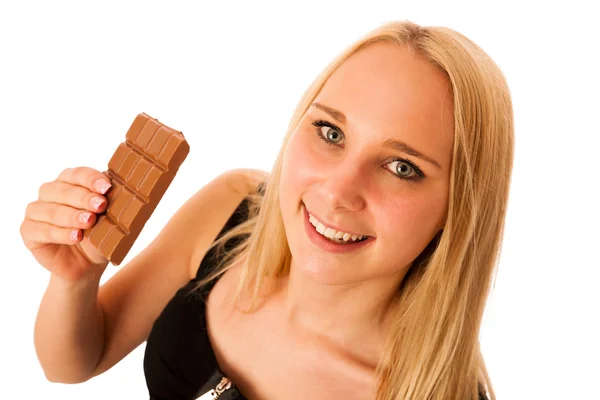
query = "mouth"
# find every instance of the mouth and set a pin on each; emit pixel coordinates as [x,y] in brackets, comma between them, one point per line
[337,244]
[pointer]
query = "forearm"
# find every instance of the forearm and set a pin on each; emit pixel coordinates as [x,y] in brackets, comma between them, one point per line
[69,330]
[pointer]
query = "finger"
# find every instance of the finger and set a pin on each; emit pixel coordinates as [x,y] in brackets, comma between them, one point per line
[60,215]
[36,232]
[75,196]
[86,177]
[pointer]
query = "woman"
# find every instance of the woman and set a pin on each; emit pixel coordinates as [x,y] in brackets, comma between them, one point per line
[358,268]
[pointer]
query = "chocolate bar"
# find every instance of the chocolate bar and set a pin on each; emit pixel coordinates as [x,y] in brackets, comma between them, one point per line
[140,170]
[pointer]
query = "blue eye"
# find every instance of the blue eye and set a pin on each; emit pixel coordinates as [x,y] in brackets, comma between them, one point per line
[404,168]
[331,129]
[333,136]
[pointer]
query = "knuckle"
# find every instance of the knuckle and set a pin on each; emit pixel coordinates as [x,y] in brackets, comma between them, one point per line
[86,173]
[30,209]
[80,174]
[28,233]
[65,172]
[33,209]
[62,192]
[23,229]
[44,187]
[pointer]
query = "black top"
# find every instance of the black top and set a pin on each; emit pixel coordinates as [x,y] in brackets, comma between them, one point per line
[179,362]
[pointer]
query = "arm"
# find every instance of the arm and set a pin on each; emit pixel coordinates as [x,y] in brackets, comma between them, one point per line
[82,331]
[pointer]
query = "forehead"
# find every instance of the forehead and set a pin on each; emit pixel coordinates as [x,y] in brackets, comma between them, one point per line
[386,89]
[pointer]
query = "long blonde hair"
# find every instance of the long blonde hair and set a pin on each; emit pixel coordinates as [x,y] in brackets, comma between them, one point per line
[433,350]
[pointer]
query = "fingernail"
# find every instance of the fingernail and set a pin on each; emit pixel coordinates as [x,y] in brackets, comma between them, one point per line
[102,185]
[84,217]
[74,234]
[97,202]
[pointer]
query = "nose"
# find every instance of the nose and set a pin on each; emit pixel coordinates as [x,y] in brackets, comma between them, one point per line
[342,189]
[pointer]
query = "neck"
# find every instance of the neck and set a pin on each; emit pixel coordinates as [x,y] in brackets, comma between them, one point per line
[348,315]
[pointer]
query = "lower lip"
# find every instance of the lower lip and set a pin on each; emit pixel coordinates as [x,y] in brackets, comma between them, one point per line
[327,245]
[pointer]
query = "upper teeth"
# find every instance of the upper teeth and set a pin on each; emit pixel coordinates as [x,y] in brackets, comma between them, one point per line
[332,233]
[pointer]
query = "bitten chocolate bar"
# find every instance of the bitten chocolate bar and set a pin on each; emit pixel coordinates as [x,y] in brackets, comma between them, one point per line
[140,170]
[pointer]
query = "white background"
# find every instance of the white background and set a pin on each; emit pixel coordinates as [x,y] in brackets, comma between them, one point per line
[229,74]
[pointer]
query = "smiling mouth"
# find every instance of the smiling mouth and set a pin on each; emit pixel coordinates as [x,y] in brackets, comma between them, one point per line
[333,235]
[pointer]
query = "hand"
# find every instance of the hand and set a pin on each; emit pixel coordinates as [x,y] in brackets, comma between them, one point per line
[53,225]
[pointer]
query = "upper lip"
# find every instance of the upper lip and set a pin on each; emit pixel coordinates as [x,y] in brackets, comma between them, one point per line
[332,226]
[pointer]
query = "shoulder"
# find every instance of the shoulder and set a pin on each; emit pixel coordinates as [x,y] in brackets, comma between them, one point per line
[216,208]
[248,180]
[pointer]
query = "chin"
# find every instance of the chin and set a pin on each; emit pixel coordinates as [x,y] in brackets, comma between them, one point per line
[325,273]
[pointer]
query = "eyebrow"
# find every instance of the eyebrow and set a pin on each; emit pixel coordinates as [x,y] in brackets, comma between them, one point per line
[389,143]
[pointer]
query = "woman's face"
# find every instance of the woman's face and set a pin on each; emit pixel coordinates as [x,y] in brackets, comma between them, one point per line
[337,165]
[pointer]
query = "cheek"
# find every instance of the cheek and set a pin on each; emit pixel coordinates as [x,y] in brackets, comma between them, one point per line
[411,222]
[294,173]
[299,163]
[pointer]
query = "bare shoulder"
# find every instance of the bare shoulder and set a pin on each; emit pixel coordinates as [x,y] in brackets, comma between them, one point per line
[250,178]
[133,298]
[220,203]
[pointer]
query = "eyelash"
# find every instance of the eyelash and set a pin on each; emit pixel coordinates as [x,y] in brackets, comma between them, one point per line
[321,123]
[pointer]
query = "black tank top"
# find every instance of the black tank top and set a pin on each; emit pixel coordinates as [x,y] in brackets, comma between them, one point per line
[179,362]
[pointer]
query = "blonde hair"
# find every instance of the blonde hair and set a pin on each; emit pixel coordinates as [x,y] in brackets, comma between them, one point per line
[433,350]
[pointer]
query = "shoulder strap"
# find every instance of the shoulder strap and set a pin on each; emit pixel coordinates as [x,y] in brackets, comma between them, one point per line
[209,262]
[239,215]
